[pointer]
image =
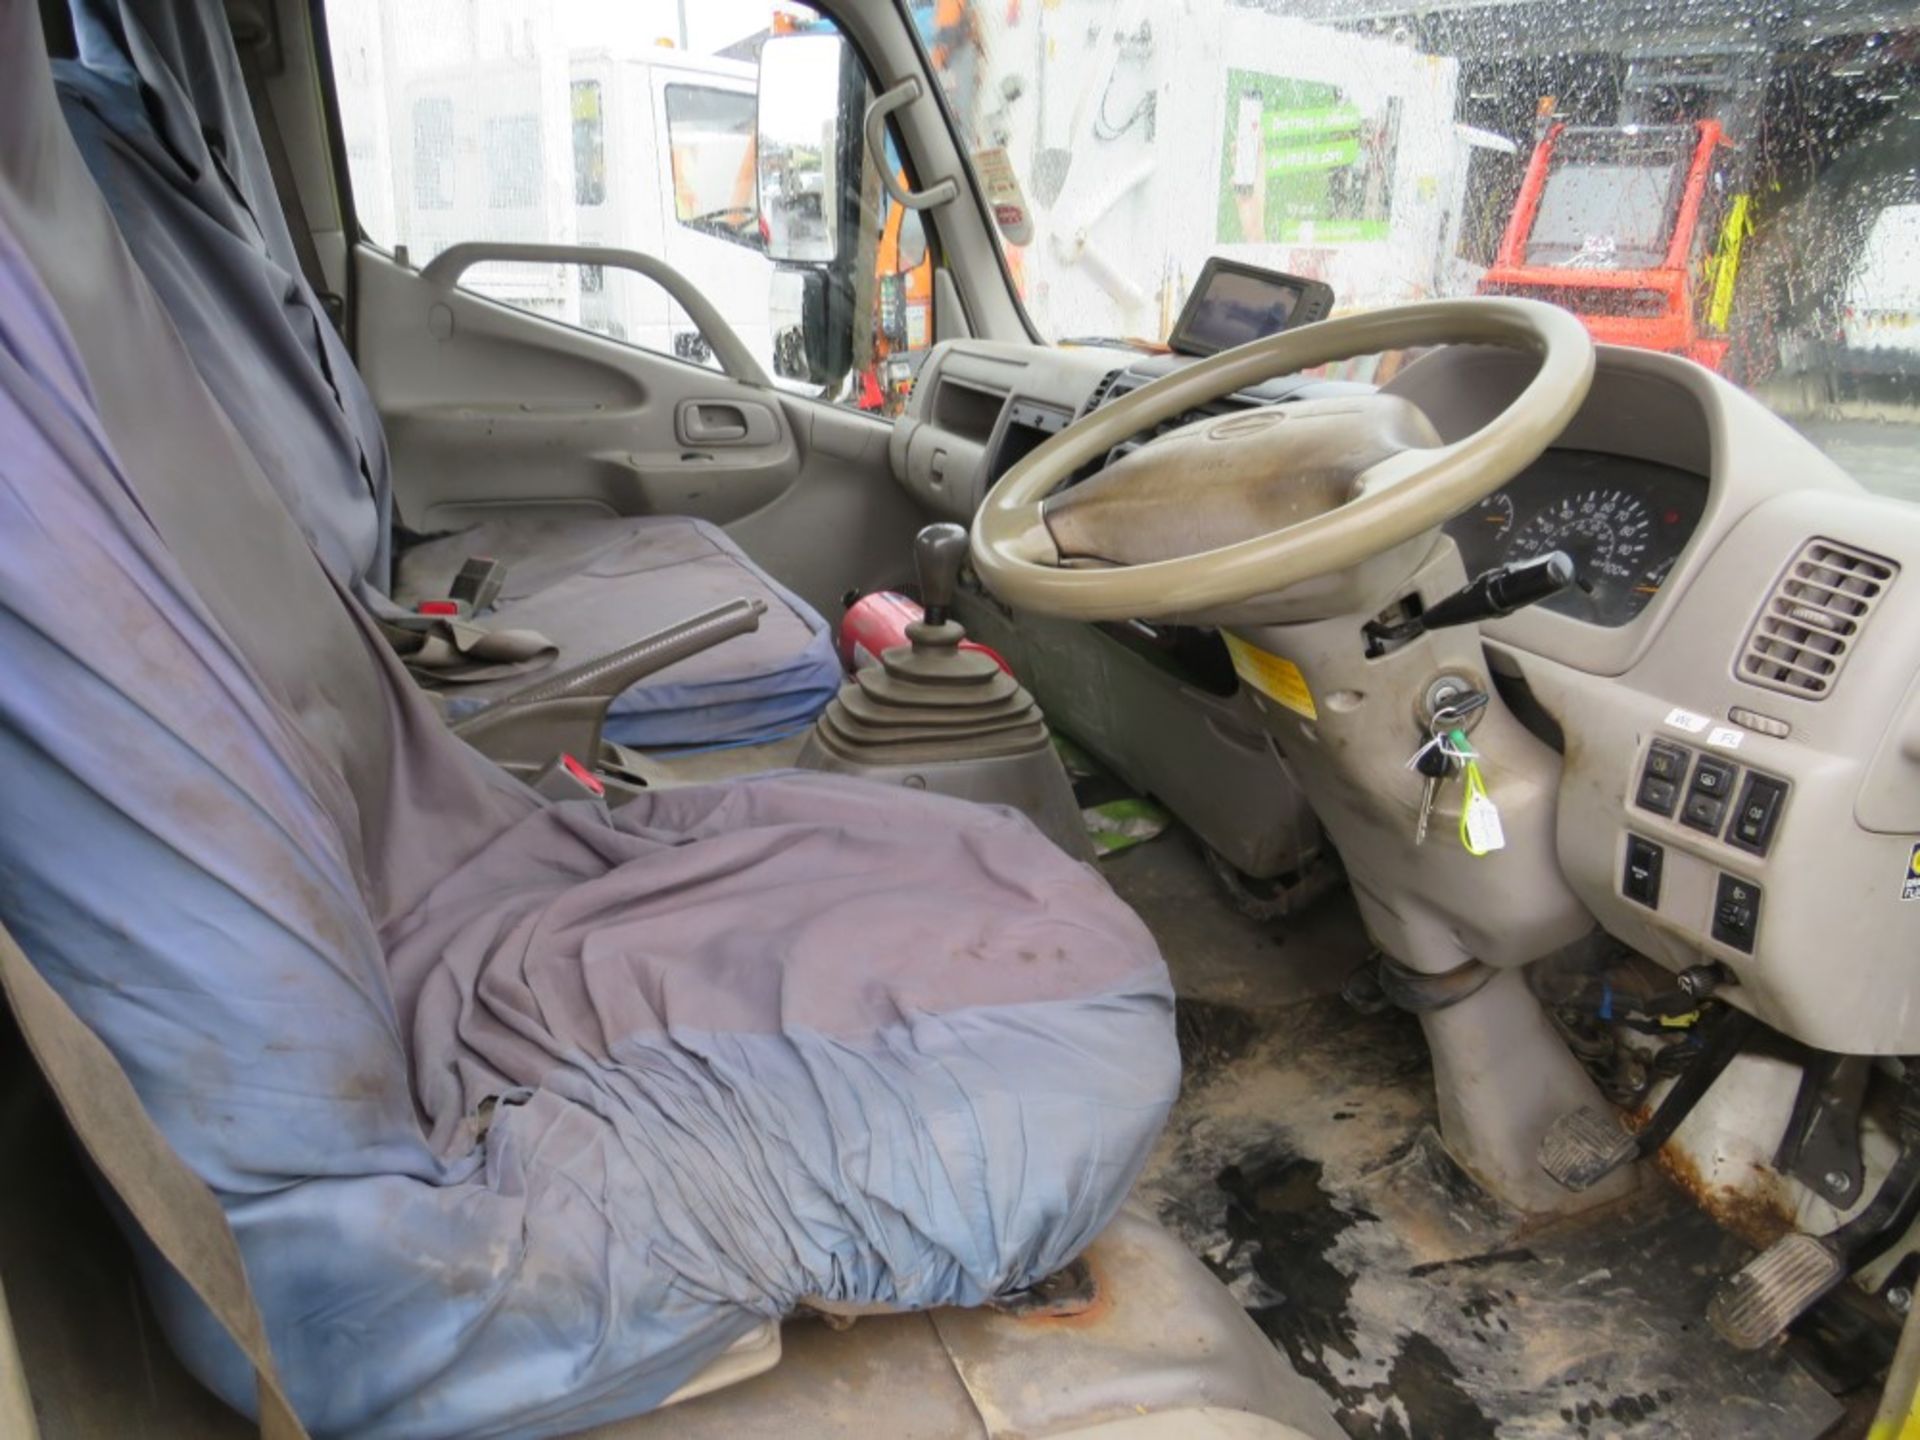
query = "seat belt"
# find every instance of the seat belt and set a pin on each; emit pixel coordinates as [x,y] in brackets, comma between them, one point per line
[172,1206]
[292,210]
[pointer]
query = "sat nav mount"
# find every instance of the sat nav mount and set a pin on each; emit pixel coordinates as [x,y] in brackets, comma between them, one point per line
[1233,303]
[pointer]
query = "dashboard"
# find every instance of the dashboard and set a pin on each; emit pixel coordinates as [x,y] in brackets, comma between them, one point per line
[1701,801]
[1623,521]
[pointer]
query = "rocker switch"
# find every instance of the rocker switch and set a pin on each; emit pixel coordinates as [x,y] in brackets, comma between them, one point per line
[1709,795]
[1660,779]
[1757,813]
[1641,880]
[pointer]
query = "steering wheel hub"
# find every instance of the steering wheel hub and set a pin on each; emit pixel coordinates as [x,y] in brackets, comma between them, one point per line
[1216,481]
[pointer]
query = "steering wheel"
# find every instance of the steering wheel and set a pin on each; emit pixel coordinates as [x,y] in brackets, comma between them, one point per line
[1239,506]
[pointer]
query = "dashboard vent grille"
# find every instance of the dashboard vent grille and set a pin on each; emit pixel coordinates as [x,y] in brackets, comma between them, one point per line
[1100,392]
[1810,622]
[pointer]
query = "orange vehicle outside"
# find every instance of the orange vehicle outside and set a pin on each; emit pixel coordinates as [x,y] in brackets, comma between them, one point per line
[1659,307]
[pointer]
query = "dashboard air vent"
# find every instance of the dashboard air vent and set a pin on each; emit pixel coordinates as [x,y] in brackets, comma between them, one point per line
[1810,622]
[1100,392]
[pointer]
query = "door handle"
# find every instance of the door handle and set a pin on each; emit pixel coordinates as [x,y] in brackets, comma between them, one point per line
[706,422]
[724,422]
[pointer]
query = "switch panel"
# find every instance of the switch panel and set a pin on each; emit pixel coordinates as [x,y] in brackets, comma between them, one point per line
[1757,813]
[1736,912]
[1641,880]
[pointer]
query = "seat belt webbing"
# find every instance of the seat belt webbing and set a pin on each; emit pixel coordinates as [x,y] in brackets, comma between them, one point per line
[170,1204]
[280,166]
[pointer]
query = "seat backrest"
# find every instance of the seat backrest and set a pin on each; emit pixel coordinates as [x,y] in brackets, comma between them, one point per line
[220,783]
[159,107]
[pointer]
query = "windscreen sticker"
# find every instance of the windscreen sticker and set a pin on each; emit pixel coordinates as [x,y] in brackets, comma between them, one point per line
[1726,737]
[1273,676]
[1911,890]
[1009,203]
[1686,720]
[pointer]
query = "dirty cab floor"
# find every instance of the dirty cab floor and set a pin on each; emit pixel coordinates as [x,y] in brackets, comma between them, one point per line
[1303,1166]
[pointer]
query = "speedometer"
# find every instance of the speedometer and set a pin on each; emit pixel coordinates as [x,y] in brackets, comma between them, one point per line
[1608,534]
[1605,531]
[1622,521]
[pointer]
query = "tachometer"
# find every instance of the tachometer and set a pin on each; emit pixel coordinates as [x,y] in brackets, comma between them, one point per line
[1493,516]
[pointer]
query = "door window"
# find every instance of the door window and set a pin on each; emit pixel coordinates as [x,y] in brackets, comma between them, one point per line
[602,123]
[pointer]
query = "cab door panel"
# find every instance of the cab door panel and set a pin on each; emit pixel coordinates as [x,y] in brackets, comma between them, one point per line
[487,407]
[489,410]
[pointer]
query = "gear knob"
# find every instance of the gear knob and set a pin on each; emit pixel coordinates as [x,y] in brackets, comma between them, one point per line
[938,553]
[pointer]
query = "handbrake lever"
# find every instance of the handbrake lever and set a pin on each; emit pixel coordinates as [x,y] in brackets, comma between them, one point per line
[562,714]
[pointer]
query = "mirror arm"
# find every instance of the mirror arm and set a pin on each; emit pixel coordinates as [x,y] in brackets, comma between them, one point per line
[883,105]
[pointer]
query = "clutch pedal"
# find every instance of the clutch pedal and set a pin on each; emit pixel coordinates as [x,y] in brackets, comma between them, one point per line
[1584,1146]
[1774,1289]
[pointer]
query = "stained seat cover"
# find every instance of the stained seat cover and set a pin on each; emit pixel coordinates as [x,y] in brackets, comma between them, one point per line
[520,1112]
[590,579]
[160,111]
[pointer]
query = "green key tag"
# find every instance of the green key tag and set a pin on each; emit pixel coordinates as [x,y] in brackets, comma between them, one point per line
[1480,829]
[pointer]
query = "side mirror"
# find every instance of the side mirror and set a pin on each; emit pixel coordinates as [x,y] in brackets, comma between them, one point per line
[808,143]
[808,149]
[810,310]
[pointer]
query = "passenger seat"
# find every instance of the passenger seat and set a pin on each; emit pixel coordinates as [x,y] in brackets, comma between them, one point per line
[158,104]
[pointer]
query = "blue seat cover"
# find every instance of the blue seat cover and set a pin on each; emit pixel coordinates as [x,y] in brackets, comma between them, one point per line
[521,1112]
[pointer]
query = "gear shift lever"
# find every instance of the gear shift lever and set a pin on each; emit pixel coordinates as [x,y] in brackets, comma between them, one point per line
[936,714]
[938,553]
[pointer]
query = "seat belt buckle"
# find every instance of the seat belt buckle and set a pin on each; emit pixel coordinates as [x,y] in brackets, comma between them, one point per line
[478,584]
[567,779]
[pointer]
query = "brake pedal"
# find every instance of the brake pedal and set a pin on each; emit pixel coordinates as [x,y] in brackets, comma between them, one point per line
[1774,1289]
[1583,1147]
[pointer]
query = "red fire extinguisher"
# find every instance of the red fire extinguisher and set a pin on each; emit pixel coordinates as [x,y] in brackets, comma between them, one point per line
[876,623]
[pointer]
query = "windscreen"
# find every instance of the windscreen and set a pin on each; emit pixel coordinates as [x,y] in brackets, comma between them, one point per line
[1388,150]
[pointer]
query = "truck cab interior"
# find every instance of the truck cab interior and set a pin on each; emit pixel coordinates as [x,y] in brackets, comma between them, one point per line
[976,719]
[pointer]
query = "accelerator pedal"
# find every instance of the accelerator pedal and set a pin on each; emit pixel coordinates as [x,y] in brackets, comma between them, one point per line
[1782,1282]
[1774,1289]
[1584,1146]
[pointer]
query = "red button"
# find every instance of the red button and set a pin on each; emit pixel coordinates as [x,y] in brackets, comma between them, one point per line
[439,607]
[585,776]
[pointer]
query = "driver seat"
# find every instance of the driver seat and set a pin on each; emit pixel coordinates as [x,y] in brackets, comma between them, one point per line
[521,1112]
[158,105]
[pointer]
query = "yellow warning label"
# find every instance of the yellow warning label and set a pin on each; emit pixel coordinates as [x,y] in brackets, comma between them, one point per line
[1273,676]
[1909,891]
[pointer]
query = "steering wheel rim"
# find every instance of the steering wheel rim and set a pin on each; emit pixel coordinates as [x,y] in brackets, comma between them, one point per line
[1397,499]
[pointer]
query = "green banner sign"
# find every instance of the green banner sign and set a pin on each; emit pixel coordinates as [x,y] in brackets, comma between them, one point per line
[1303,164]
